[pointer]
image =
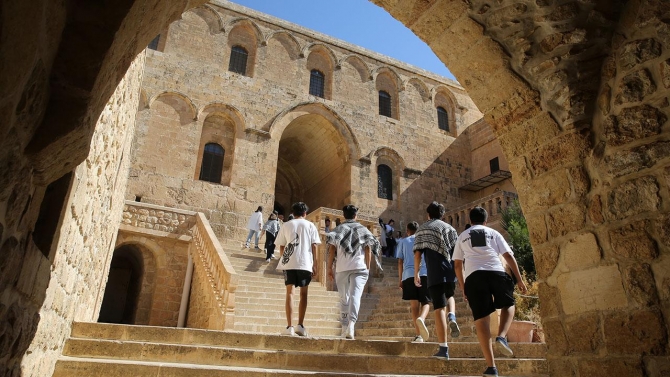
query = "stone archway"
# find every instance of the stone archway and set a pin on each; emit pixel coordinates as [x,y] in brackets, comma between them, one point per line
[124,284]
[313,164]
[580,112]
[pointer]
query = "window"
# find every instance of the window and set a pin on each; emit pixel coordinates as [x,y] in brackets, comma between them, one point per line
[316,83]
[495,165]
[238,60]
[442,119]
[384,182]
[212,163]
[153,45]
[384,104]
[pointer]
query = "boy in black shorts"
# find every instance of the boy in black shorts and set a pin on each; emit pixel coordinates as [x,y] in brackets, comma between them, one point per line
[418,296]
[435,240]
[297,241]
[486,285]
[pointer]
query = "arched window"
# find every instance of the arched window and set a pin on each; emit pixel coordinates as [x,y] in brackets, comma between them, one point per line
[385,104]
[238,60]
[317,83]
[212,163]
[442,118]
[384,182]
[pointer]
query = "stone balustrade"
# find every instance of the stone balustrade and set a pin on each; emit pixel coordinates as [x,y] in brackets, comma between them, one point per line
[214,280]
[494,204]
[318,217]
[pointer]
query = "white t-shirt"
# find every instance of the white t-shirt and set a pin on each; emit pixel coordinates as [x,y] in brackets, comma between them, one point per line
[480,247]
[350,262]
[297,237]
[255,221]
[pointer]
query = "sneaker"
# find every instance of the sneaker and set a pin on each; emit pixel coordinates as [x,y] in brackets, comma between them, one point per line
[289,331]
[491,372]
[455,331]
[246,245]
[344,331]
[417,339]
[301,330]
[503,347]
[442,353]
[350,330]
[267,260]
[257,248]
[423,330]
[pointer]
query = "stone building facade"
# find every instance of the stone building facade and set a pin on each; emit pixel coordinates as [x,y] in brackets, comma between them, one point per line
[300,119]
[576,92]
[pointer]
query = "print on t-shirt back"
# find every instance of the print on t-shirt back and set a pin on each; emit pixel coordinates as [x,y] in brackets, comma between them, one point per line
[478,237]
[290,248]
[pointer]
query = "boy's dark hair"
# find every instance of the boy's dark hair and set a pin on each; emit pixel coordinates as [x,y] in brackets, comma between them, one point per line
[299,209]
[413,226]
[435,210]
[478,215]
[349,211]
[391,221]
[327,219]
[259,209]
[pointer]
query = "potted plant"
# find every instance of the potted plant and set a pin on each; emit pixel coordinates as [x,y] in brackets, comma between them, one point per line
[526,324]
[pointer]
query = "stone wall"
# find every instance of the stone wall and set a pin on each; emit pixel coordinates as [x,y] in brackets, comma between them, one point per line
[83,245]
[324,151]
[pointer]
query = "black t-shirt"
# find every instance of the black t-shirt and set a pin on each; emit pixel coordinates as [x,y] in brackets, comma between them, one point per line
[440,270]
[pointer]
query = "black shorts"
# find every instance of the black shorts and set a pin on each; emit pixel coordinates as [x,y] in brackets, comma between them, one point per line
[299,278]
[440,293]
[411,292]
[488,291]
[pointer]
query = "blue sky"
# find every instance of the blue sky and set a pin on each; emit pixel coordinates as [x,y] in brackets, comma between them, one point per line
[355,21]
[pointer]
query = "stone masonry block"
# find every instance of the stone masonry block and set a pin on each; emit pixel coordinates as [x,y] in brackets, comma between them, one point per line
[636,332]
[635,86]
[565,149]
[634,123]
[598,367]
[639,158]
[580,181]
[583,334]
[550,304]
[537,228]
[561,366]
[438,18]
[557,343]
[566,219]
[633,241]
[596,210]
[546,259]
[639,51]
[640,284]
[633,197]
[599,288]
[581,252]
[546,191]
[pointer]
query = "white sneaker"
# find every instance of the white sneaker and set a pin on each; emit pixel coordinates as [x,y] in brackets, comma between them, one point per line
[344,331]
[350,330]
[267,260]
[417,339]
[423,330]
[301,330]
[289,331]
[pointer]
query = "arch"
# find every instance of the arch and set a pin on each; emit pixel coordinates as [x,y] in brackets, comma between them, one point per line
[391,73]
[359,64]
[148,244]
[319,47]
[211,17]
[193,114]
[227,110]
[287,40]
[443,97]
[283,119]
[239,21]
[420,86]
[390,154]
[444,90]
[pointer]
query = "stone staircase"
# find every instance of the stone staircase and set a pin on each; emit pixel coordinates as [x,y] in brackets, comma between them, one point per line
[255,348]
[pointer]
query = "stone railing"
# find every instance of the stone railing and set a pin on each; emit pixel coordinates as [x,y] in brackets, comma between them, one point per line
[494,204]
[212,304]
[214,280]
[318,217]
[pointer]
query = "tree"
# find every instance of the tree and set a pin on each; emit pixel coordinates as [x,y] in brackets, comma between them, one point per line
[515,225]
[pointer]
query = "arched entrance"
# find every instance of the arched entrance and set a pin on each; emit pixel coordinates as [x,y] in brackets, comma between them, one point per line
[124,284]
[313,164]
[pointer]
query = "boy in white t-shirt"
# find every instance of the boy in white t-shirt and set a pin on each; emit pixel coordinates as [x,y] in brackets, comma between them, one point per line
[297,240]
[486,285]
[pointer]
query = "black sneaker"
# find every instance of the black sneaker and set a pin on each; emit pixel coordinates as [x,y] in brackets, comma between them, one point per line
[442,353]
[503,347]
[491,372]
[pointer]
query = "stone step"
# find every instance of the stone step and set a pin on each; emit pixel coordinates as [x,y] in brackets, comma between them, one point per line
[313,330]
[172,335]
[86,367]
[233,349]
[280,297]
